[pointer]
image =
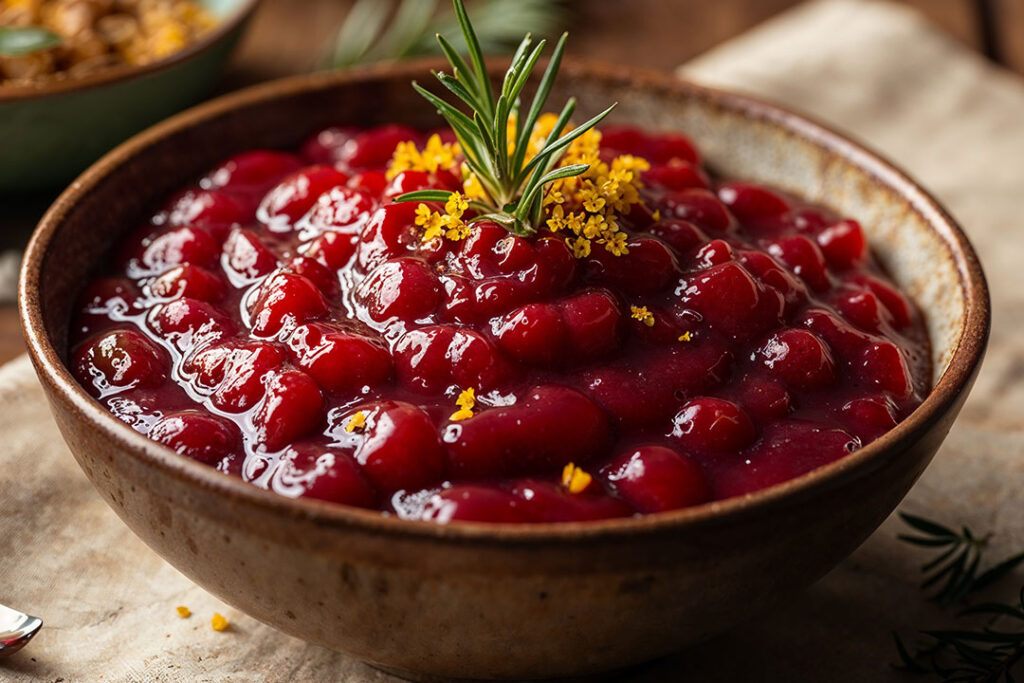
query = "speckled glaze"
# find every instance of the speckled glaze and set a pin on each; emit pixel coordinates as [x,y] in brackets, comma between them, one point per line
[499,601]
[51,133]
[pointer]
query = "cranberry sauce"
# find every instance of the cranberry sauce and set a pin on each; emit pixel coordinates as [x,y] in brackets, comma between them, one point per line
[284,321]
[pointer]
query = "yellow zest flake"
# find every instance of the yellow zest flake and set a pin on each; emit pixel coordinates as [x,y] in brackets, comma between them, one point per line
[449,224]
[575,479]
[356,423]
[685,337]
[219,622]
[435,156]
[642,314]
[616,244]
[466,402]
[656,215]
[580,247]
[183,612]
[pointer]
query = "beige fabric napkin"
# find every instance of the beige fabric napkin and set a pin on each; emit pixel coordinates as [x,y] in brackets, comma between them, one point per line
[874,69]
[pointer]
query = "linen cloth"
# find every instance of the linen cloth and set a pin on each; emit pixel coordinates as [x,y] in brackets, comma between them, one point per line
[874,69]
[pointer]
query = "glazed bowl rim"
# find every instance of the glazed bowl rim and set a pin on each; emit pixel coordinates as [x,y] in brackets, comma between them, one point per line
[955,380]
[124,73]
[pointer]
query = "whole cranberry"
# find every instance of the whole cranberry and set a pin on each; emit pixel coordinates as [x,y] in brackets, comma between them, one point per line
[283,301]
[291,409]
[474,503]
[324,147]
[190,323]
[543,501]
[862,308]
[750,202]
[762,398]
[339,360]
[212,210]
[593,324]
[700,207]
[246,257]
[713,424]
[391,232]
[560,264]
[373,148]
[252,172]
[649,267]
[787,449]
[108,294]
[296,194]
[404,288]
[671,148]
[372,183]
[891,298]
[119,359]
[188,280]
[679,175]
[398,448]
[804,258]
[681,235]
[333,249]
[548,428]
[626,140]
[729,299]
[408,181]
[180,245]
[883,367]
[799,358]
[243,374]
[844,244]
[340,209]
[533,334]
[656,478]
[320,275]
[770,273]
[198,435]
[715,252]
[868,417]
[308,470]
[432,358]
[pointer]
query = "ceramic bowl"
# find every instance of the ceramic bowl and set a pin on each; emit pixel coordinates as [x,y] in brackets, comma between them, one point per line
[497,601]
[51,133]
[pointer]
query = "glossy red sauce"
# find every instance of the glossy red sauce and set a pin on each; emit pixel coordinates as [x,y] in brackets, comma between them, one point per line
[250,318]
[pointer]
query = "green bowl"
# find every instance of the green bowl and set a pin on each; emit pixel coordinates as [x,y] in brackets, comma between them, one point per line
[49,135]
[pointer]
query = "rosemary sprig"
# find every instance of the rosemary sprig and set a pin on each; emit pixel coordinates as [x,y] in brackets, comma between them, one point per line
[954,572]
[990,653]
[378,30]
[513,187]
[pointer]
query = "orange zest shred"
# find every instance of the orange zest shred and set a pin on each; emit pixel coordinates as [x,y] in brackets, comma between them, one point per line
[575,479]
[466,402]
[183,612]
[356,423]
[219,622]
[643,315]
[685,336]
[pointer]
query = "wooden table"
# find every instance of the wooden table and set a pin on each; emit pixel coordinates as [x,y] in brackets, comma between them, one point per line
[288,37]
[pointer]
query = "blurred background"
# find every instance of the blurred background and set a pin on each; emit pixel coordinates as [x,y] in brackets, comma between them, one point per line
[288,37]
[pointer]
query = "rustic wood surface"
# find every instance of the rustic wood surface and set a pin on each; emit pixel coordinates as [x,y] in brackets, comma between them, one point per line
[658,34]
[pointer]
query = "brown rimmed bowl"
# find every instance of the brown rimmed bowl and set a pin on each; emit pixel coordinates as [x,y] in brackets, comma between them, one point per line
[498,601]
